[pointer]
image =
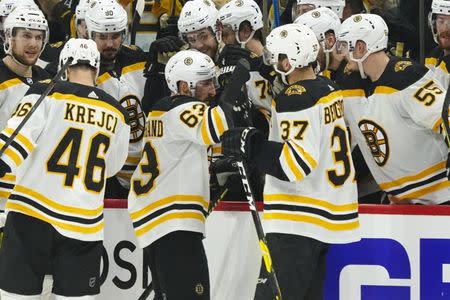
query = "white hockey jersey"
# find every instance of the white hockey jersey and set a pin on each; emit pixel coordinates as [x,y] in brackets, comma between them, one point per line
[439,64]
[396,121]
[74,140]
[317,197]
[170,187]
[12,90]
[126,84]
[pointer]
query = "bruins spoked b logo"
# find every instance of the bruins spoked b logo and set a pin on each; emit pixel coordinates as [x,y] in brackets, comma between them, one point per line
[376,139]
[137,117]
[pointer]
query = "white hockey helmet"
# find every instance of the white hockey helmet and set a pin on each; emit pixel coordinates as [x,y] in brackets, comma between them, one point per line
[297,42]
[82,51]
[237,11]
[337,6]
[7,6]
[196,15]
[438,7]
[81,9]
[106,16]
[321,20]
[28,18]
[369,28]
[190,66]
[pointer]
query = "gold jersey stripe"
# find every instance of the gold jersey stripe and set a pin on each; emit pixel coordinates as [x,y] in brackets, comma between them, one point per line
[8,177]
[306,155]
[412,178]
[4,194]
[13,206]
[22,139]
[168,200]
[13,155]
[431,61]
[426,190]
[9,83]
[307,200]
[218,120]
[104,77]
[204,130]
[353,93]
[57,206]
[312,220]
[156,113]
[88,102]
[178,215]
[133,67]
[291,164]
[385,90]
[336,95]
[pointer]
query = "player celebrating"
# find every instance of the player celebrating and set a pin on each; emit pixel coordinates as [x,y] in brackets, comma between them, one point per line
[168,209]
[308,142]
[26,32]
[439,59]
[121,76]
[396,109]
[56,218]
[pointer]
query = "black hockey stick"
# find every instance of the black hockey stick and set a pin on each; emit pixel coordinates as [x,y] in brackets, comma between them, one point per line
[445,115]
[36,105]
[147,291]
[236,83]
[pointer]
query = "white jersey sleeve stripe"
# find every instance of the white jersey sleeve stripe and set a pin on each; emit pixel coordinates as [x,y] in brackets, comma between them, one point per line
[11,157]
[24,141]
[171,216]
[290,166]
[303,154]
[338,208]
[218,121]
[341,226]
[205,130]
[18,207]
[164,201]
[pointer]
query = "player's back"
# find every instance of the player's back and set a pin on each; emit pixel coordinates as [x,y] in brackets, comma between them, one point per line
[170,187]
[396,122]
[74,140]
[320,198]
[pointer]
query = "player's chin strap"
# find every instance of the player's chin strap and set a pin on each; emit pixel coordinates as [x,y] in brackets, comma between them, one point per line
[359,61]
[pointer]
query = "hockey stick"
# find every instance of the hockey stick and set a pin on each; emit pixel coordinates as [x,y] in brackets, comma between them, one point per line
[445,115]
[276,13]
[36,105]
[236,83]
[147,291]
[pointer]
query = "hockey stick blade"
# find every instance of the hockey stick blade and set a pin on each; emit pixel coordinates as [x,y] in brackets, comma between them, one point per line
[36,105]
[241,74]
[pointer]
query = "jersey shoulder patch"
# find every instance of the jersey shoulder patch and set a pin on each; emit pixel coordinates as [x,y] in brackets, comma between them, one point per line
[304,94]
[401,73]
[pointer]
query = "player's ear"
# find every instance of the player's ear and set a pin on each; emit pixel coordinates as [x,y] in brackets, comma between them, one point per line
[360,47]
[183,88]
[245,30]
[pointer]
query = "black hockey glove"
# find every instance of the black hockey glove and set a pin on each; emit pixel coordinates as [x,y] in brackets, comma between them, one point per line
[223,164]
[241,142]
[241,108]
[171,29]
[231,54]
[164,45]
[4,168]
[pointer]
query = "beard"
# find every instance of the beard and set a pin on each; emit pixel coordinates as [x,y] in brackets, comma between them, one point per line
[444,40]
[21,58]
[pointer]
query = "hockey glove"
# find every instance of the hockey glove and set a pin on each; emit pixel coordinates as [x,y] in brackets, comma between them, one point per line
[231,54]
[240,142]
[170,27]
[223,164]
[164,45]
[4,168]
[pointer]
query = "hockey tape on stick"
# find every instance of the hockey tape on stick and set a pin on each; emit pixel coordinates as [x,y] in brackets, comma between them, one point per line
[241,74]
[36,105]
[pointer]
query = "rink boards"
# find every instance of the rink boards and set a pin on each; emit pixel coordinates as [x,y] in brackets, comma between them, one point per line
[404,254]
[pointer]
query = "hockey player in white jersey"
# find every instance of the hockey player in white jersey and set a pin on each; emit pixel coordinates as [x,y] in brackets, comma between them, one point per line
[170,187]
[26,32]
[121,76]
[74,140]
[394,115]
[310,197]
[439,58]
